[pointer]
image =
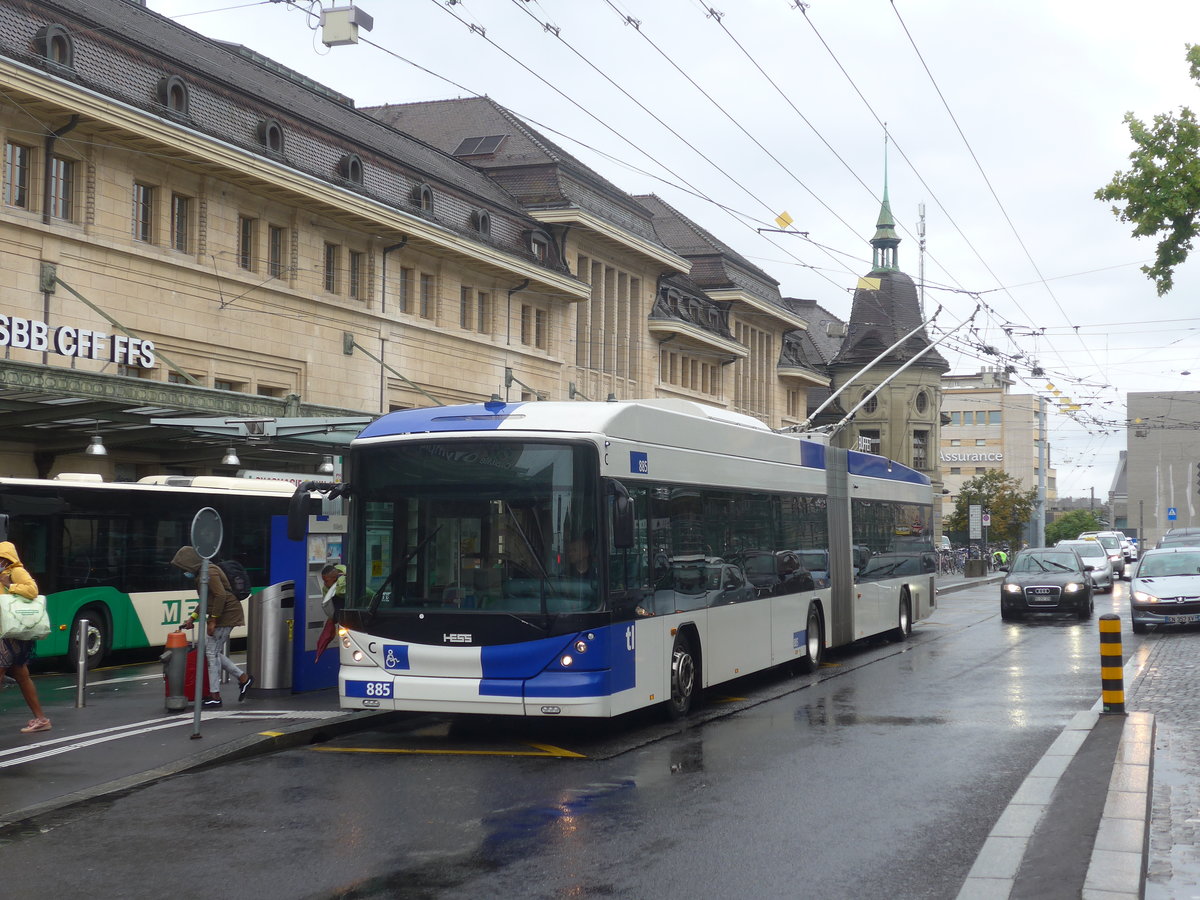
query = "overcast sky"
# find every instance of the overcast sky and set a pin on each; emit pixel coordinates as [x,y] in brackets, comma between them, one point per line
[1005,116]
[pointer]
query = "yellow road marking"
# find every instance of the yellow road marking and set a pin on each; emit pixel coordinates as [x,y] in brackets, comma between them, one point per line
[728,699]
[271,733]
[544,750]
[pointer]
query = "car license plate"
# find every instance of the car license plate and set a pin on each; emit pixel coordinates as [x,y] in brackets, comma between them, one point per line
[1184,620]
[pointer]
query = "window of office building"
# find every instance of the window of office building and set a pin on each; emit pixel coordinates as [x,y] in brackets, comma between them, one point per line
[143,212]
[246,243]
[276,247]
[331,267]
[357,287]
[428,300]
[181,209]
[62,188]
[406,289]
[18,160]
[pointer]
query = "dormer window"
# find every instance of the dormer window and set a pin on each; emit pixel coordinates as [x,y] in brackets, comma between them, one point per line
[351,168]
[539,245]
[174,96]
[482,222]
[54,43]
[270,132]
[422,198]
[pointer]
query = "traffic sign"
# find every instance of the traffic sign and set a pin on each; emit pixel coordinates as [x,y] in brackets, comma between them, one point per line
[1172,513]
[987,520]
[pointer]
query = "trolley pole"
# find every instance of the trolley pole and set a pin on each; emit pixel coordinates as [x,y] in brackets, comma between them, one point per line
[1112,672]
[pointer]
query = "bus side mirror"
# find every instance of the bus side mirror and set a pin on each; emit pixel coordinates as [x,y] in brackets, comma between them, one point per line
[297,517]
[622,517]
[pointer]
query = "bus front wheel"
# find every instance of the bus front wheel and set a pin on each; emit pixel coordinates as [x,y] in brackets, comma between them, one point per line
[96,642]
[683,678]
[903,619]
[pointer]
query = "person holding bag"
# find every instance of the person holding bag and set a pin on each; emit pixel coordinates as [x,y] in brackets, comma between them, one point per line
[224,615]
[15,654]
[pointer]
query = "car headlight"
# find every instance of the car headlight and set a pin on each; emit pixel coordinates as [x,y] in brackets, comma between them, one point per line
[1143,597]
[1071,587]
[1012,588]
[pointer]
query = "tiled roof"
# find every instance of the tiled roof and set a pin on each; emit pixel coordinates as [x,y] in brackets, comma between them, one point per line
[879,318]
[124,49]
[715,265]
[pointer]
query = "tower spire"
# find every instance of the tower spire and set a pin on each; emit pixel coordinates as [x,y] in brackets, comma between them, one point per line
[886,240]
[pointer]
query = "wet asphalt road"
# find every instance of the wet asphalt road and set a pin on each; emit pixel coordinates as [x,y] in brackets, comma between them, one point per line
[880,775]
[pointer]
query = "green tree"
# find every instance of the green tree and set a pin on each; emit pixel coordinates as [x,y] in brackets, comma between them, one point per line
[1070,525]
[999,494]
[1161,190]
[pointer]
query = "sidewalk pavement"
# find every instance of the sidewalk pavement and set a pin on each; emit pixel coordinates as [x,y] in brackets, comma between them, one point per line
[124,738]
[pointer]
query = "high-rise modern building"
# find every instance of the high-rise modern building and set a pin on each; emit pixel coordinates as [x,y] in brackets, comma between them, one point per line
[990,428]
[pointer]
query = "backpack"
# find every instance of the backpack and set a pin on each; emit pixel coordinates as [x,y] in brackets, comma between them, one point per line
[235,574]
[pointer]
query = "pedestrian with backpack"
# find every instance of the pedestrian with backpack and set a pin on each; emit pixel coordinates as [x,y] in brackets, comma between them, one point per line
[224,615]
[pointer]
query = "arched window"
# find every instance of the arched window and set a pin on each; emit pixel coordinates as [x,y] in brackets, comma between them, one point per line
[173,95]
[422,198]
[351,168]
[482,222]
[54,43]
[270,133]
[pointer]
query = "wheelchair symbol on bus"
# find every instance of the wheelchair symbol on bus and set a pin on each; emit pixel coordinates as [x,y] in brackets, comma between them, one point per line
[395,656]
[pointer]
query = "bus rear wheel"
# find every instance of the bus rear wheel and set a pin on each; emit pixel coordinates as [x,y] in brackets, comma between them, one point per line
[97,641]
[683,678]
[814,643]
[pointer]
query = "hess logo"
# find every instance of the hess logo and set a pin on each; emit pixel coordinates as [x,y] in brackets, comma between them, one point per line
[456,638]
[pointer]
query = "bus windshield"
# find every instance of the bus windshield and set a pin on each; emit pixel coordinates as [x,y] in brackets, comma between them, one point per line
[490,525]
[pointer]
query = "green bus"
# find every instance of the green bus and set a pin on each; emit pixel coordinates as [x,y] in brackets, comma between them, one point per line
[101,551]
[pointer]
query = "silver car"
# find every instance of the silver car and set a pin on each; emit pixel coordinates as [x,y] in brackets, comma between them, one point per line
[1165,589]
[1093,554]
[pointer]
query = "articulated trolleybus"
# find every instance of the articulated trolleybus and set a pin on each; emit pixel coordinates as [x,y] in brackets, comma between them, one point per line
[588,559]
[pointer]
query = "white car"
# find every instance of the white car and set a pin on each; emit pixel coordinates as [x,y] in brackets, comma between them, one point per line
[1165,589]
[1093,554]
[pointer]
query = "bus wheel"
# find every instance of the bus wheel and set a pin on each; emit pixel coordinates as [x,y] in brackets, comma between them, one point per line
[814,643]
[903,619]
[683,678]
[97,641]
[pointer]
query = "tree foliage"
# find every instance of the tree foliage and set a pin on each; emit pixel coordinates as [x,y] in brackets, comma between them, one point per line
[1161,190]
[999,494]
[1070,525]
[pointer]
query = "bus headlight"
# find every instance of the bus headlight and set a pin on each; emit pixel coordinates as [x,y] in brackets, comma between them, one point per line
[357,655]
[567,661]
[581,647]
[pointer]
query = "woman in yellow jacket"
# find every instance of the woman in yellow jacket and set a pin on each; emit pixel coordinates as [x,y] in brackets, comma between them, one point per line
[14,654]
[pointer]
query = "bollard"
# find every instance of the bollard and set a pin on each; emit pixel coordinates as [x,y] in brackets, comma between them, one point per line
[81,664]
[174,662]
[1112,673]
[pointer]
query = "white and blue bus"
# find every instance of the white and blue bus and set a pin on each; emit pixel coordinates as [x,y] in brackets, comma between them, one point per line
[589,559]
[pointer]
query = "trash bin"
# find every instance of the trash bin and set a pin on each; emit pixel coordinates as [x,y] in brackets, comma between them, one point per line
[269,638]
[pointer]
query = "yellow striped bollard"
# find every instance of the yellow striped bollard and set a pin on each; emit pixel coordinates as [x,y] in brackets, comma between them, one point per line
[1112,673]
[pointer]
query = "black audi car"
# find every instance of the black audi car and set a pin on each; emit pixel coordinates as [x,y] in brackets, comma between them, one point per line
[1046,580]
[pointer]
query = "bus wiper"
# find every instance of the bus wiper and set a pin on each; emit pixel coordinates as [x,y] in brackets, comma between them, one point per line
[371,610]
[542,573]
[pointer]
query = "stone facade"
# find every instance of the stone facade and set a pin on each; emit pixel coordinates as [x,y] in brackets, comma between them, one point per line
[281,250]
